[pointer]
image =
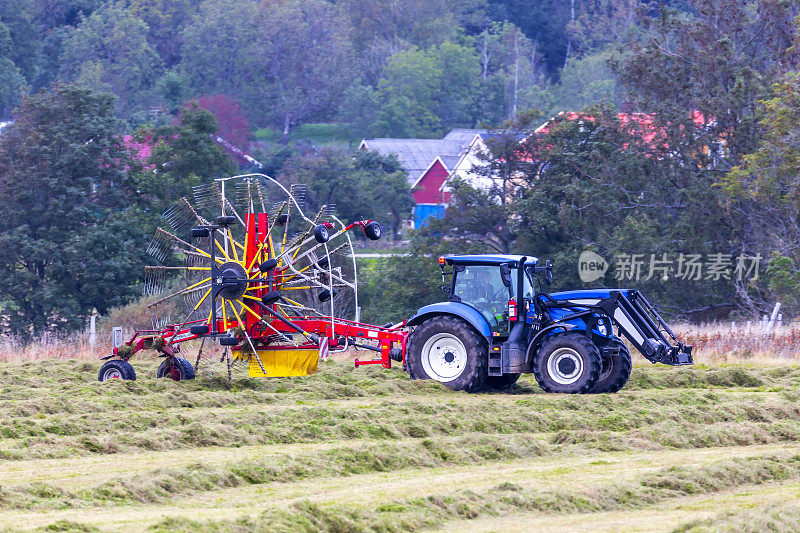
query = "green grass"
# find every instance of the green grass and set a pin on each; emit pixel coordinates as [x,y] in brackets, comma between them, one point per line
[370,450]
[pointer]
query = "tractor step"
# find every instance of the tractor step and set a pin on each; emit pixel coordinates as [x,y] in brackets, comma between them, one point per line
[495,361]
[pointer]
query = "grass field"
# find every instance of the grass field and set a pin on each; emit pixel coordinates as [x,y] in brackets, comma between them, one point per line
[689,449]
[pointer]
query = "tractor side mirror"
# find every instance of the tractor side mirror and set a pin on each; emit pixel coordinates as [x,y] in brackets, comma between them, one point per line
[505,274]
[548,276]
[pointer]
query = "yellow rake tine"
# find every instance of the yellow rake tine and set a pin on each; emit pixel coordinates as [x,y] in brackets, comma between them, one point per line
[221,249]
[251,311]
[290,278]
[233,246]
[293,302]
[202,299]
[224,315]
[239,318]
[253,262]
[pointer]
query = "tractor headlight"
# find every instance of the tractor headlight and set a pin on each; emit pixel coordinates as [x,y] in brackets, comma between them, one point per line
[602,327]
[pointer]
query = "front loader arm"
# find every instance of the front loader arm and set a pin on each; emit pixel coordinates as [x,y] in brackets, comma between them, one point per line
[635,318]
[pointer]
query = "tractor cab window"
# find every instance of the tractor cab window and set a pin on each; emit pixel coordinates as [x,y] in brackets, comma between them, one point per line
[482,287]
[527,286]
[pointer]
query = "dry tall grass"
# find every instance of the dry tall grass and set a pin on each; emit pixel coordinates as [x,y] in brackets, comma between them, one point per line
[53,346]
[727,343]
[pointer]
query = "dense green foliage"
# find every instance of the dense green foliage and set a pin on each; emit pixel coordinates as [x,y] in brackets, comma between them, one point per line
[711,170]
[408,67]
[70,239]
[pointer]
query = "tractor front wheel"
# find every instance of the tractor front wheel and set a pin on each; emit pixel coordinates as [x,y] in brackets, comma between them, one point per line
[116,369]
[177,368]
[568,363]
[450,351]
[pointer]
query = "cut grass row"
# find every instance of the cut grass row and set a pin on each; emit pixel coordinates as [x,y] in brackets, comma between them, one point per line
[72,386]
[344,427]
[432,510]
[667,418]
[202,473]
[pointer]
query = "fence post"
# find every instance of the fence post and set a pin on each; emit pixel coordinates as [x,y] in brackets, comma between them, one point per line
[92,329]
[772,318]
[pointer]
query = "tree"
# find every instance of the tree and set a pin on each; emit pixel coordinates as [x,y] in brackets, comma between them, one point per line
[386,189]
[183,155]
[424,90]
[220,52]
[23,45]
[12,88]
[164,19]
[70,238]
[306,58]
[419,23]
[233,125]
[109,51]
[359,110]
[702,77]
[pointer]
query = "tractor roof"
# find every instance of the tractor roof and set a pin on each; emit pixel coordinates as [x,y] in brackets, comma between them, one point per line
[489,259]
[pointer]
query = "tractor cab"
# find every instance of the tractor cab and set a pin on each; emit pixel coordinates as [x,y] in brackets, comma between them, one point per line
[488,283]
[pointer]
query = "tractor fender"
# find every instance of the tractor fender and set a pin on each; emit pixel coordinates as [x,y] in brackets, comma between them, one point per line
[462,311]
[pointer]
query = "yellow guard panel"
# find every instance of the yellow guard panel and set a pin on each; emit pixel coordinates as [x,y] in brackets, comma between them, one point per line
[285,363]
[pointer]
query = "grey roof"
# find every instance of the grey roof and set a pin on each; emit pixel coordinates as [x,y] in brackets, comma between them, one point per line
[464,135]
[416,155]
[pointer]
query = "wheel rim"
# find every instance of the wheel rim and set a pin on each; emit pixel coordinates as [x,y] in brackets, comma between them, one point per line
[565,366]
[444,357]
[112,373]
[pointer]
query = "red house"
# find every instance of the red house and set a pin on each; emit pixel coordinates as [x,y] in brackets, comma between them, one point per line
[428,164]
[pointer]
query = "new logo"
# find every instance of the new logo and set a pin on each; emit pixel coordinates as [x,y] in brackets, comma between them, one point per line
[591,266]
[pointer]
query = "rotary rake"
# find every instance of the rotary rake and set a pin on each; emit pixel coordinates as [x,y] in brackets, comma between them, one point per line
[261,284]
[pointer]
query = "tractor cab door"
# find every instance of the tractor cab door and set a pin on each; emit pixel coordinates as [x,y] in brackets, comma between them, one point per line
[482,287]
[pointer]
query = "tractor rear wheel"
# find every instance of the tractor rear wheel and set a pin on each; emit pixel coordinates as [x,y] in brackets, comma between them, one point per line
[568,363]
[116,369]
[179,369]
[450,351]
[616,371]
[502,382]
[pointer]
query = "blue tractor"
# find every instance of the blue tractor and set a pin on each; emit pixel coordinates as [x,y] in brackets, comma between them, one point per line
[498,324]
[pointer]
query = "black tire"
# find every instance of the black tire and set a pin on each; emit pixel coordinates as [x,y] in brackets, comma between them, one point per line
[567,363]
[226,221]
[116,369]
[228,341]
[502,382]
[373,230]
[199,233]
[616,371]
[464,367]
[183,369]
[198,330]
[321,233]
